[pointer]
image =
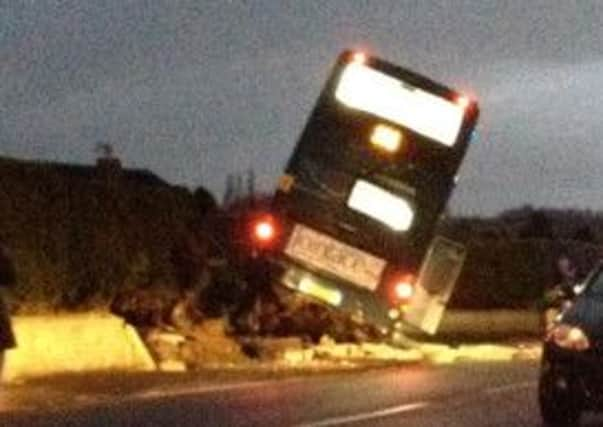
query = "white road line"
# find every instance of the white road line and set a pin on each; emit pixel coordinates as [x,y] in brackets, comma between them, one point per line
[88,400]
[188,391]
[511,387]
[386,412]
[364,416]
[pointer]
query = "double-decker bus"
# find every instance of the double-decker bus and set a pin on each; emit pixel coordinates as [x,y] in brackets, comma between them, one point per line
[353,218]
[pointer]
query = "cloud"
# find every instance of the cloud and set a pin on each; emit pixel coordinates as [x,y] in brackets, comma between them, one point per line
[539,140]
[197,89]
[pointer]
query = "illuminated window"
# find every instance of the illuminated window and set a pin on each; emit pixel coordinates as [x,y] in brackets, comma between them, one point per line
[380,204]
[366,89]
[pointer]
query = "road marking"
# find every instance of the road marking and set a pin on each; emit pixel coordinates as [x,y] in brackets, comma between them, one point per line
[386,412]
[510,387]
[89,400]
[187,391]
[364,416]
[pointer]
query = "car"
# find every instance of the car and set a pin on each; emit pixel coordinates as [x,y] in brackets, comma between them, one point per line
[571,371]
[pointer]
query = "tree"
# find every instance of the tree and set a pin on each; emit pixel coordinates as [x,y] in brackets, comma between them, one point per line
[584,234]
[251,184]
[205,202]
[229,192]
[105,150]
[238,187]
[539,226]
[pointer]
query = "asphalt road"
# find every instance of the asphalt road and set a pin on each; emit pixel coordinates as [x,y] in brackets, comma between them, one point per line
[464,394]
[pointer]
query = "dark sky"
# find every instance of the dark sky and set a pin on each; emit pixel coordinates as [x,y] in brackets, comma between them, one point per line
[196,89]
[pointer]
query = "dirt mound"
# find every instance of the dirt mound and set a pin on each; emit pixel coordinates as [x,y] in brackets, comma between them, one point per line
[204,345]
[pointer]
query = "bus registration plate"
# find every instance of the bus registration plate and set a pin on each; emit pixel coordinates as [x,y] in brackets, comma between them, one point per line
[325,253]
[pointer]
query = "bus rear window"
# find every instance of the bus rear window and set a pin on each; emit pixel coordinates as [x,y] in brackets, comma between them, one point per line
[366,89]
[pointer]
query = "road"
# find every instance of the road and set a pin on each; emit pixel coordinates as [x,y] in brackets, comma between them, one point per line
[486,394]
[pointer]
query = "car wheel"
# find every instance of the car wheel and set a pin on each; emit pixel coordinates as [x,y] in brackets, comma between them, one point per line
[559,402]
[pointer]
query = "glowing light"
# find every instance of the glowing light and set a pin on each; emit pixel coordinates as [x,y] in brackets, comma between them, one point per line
[462,101]
[566,336]
[380,204]
[317,290]
[404,290]
[264,230]
[387,138]
[359,57]
[363,88]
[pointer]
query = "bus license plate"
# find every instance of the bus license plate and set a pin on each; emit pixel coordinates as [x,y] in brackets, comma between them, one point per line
[321,251]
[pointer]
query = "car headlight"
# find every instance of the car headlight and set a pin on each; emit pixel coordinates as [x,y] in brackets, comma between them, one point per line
[569,337]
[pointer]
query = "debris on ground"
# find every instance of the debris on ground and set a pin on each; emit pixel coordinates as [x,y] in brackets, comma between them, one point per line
[166,347]
[444,354]
[204,344]
[208,345]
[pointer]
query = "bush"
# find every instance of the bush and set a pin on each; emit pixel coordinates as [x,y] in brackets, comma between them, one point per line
[514,273]
[77,231]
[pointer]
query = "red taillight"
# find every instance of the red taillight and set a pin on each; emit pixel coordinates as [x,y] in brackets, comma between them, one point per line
[463,101]
[264,230]
[359,57]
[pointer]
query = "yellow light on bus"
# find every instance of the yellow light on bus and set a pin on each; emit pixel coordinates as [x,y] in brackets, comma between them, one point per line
[386,138]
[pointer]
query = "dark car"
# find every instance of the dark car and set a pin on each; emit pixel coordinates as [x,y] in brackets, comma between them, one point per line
[571,377]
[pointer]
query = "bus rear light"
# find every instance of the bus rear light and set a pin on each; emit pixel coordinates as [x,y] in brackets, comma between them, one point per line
[359,57]
[462,101]
[264,230]
[386,138]
[402,289]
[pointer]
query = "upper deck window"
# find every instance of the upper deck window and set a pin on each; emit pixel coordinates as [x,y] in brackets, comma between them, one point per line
[366,89]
